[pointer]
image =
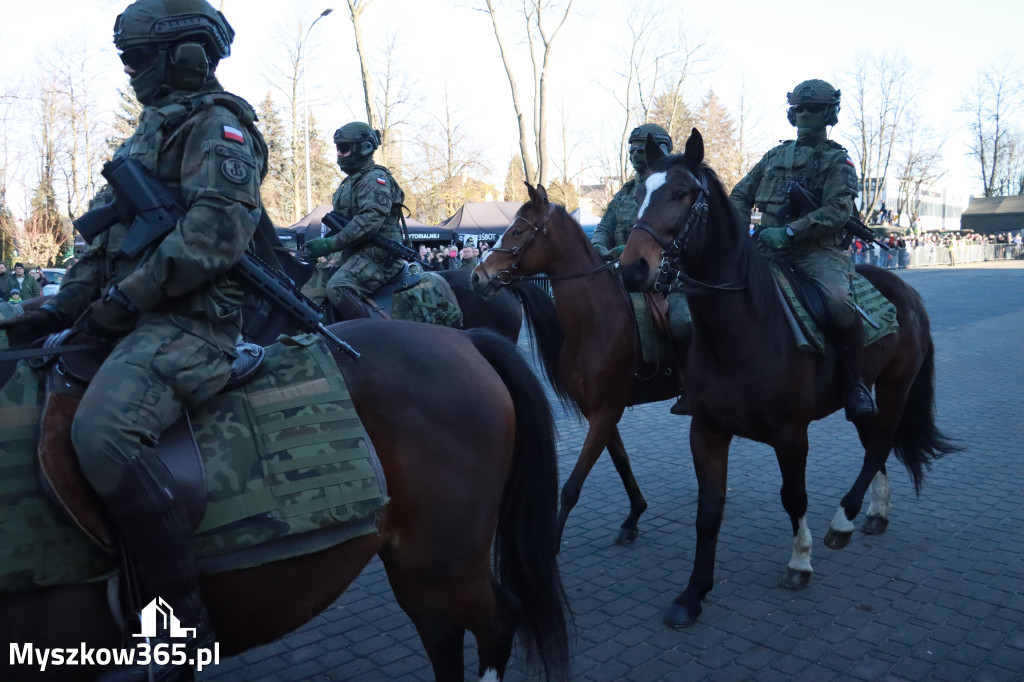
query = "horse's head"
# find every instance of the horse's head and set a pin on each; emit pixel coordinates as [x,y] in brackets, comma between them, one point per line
[670,202]
[519,251]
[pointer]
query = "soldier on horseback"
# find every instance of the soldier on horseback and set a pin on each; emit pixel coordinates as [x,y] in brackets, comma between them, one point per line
[372,201]
[814,244]
[610,237]
[171,312]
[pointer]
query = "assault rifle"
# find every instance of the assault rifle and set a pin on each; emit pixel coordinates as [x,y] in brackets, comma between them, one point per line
[153,209]
[800,202]
[335,222]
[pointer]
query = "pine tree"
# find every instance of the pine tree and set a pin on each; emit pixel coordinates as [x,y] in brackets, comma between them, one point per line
[515,189]
[126,119]
[721,140]
[564,193]
[276,188]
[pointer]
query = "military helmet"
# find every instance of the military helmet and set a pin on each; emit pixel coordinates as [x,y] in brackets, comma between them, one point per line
[814,92]
[661,136]
[163,23]
[363,139]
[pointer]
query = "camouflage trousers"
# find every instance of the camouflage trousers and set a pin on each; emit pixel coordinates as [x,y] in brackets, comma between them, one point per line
[361,274]
[153,375]
[431,301]
[833,272]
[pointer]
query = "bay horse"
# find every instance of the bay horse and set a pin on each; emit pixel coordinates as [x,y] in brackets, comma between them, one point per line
[746,377]
[590,350]
[454,492]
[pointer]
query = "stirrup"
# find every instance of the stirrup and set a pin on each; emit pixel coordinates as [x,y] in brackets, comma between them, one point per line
[859,402]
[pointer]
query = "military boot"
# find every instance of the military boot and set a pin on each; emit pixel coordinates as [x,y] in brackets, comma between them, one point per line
[154,534]
[850,345]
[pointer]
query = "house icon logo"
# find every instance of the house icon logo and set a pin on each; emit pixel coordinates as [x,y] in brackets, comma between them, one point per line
[158,616]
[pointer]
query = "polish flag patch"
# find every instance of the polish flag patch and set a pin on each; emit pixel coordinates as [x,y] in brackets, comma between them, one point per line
[233,134]
[381,181]
[850,161]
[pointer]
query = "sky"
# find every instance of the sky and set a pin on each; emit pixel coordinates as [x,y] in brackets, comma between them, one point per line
[761,48]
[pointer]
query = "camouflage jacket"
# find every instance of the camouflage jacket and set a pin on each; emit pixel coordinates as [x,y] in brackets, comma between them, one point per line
[832,179]
[618,219]
[204,146]
[372,200]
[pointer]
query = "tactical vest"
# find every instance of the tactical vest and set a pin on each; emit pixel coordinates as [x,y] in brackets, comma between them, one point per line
[346,200]
[788,162]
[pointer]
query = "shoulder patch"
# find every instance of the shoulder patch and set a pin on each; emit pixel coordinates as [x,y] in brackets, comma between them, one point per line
[381,181]
[233,134]
[850,161]
[382,197]
[235,170]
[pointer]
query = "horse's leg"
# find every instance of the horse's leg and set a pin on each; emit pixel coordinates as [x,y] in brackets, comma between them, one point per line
[601,425]
[637,504]
[876,434]
[710,450]
[791,451]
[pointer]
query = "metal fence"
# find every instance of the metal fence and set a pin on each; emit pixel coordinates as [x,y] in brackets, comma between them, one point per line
[933,254]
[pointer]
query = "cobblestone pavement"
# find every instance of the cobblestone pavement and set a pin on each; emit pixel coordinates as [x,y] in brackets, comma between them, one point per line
[940,596]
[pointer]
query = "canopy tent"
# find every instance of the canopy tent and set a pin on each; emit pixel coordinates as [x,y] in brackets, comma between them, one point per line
[482,220]
[987,215]
[421,232]
[311,227]
[587,220]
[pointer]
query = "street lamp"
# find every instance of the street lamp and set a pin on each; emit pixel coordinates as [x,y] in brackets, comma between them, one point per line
[305,106]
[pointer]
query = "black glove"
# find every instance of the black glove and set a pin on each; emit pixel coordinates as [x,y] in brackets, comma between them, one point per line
[24,329]
[110,317]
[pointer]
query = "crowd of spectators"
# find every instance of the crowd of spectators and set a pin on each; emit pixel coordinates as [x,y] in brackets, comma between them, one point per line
[20,284]
[937,248]
[453,256]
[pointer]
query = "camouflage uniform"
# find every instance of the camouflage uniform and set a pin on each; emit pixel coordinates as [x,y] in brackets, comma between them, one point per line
[204,146]
[372,199]
[813,243]
[617,221]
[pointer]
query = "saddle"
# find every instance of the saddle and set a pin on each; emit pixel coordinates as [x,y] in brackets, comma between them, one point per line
[61,477]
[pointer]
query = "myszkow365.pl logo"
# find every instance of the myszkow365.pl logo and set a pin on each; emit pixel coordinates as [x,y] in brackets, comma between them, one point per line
[157,617]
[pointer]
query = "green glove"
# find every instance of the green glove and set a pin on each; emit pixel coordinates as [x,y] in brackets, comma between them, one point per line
[774,237]
[315,248]
[613,254]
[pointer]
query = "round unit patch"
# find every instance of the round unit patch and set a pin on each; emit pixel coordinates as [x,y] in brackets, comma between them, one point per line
[236,171]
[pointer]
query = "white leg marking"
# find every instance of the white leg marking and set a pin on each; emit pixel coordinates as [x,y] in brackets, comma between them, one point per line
[655,181]
[840,523]
[879,489]
[802,542]
[490,675]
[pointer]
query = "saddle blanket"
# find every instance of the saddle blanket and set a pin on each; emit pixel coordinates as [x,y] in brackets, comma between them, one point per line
[871,301]
[285,454]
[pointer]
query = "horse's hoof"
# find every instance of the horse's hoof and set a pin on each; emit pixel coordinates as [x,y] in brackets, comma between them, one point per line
[796,580]
[874,525]
[678,616]
[627,536]
[835,539]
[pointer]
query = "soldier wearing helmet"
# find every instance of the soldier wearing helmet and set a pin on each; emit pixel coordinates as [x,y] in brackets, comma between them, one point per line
[372,201]
[814,244]
[610,237]
[172,313]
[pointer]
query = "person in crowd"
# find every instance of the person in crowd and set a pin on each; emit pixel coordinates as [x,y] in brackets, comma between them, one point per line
[172,314]
[15,296]
[26,283]
[7,282]
[371,200]
[812,243]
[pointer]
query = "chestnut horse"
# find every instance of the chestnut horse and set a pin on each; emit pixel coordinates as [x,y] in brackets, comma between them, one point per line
[454,492]
[746,377]
[590,351]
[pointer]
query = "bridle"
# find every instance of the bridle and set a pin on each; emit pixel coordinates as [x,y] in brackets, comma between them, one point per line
[506,277]
[671,278]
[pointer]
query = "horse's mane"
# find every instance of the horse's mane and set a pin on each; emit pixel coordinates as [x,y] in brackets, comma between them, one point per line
[754,269]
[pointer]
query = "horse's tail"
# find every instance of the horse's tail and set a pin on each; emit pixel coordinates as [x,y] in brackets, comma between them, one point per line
[917,439]
[526,541]
[548,336]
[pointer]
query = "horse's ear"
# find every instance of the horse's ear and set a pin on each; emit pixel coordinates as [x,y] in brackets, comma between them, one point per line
[694,152]
[542,193]
[652,151]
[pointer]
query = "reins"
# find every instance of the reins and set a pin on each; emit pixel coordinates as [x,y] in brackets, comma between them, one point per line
[505,277]
[671,278]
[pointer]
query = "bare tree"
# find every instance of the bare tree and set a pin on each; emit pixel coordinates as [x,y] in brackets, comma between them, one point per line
[878,93]
[45,215]
[392,104]
[356,9]
[442,177]
[920,168]
[748,124]
[993,104]
[540,42]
